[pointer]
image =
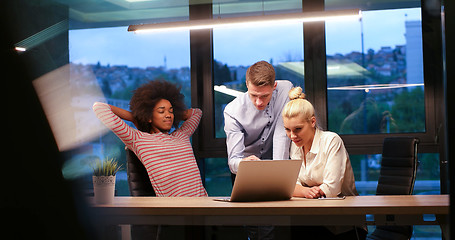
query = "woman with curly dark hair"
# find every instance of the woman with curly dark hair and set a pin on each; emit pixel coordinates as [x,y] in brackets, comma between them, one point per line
[148,95]
[168,157]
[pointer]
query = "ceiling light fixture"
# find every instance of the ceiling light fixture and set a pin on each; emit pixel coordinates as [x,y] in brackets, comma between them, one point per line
[275,19]
[41,36]
[20,49]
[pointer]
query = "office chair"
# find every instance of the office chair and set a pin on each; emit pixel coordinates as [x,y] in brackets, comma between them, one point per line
[139,185]
[138,178]
[397,177]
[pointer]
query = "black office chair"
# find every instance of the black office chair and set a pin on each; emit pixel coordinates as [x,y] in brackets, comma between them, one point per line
[397,177]
[138,178]
[140,186]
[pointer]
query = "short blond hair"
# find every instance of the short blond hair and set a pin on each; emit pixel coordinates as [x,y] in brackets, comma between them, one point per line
[298,106]
[261,74]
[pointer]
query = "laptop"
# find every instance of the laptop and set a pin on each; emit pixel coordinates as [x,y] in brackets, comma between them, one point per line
[265,180]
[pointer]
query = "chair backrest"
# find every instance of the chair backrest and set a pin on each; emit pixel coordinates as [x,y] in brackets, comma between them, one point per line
[397,177]
[398,166]
[138,179]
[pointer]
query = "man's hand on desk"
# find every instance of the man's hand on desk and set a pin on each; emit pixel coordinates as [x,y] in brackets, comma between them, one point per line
[251,158]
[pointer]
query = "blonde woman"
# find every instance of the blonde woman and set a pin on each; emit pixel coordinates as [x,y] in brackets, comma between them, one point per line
[326,170]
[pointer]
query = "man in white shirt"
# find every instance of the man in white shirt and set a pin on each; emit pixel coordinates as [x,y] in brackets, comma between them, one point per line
[253,124]
[254,127]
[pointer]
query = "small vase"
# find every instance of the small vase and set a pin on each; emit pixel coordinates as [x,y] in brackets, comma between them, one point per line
[104,188]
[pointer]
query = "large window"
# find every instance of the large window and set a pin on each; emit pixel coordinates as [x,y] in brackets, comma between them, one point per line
[117,62]
[374,83]
[236,49]
[375,88]
[375,80]
[375,73]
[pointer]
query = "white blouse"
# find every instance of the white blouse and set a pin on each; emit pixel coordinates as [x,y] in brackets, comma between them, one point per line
[327,165]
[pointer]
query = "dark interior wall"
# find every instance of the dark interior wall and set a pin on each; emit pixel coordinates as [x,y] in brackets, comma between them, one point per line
[27,18]
[449,97]
[35,199]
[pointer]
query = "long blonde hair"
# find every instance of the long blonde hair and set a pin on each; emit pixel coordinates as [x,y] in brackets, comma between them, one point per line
[298,106]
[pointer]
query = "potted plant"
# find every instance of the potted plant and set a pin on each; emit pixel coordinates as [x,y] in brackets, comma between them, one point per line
[104,180]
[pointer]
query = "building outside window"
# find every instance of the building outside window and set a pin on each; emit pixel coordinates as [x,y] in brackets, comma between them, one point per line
[375,83]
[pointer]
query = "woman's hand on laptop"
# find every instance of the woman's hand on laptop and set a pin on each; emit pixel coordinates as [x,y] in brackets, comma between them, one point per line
[251,158]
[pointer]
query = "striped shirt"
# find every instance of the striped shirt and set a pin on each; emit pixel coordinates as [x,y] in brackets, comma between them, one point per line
[168,158]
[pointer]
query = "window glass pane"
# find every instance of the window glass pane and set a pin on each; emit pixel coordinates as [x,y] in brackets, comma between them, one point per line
[375,73]
[117,62]
[236,49]
[217,177]
[428,174]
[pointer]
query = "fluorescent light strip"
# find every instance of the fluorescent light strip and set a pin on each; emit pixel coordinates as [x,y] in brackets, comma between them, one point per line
[227,91]
[375,86]
[41,36]
[20,49]
[276,19]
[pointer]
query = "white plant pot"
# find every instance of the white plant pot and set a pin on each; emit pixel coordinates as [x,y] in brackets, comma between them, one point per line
[104,189]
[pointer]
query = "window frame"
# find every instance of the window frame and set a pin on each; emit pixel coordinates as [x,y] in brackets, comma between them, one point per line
[207,145]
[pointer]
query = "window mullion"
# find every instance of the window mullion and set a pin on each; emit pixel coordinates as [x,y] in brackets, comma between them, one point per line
[315,62]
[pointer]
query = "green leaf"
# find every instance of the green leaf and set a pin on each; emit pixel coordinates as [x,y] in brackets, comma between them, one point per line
[108,167]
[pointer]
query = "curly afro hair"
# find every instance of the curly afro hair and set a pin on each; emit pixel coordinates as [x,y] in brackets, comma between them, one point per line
[148,95]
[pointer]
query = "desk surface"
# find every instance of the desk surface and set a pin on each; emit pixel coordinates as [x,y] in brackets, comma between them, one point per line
[206,206]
